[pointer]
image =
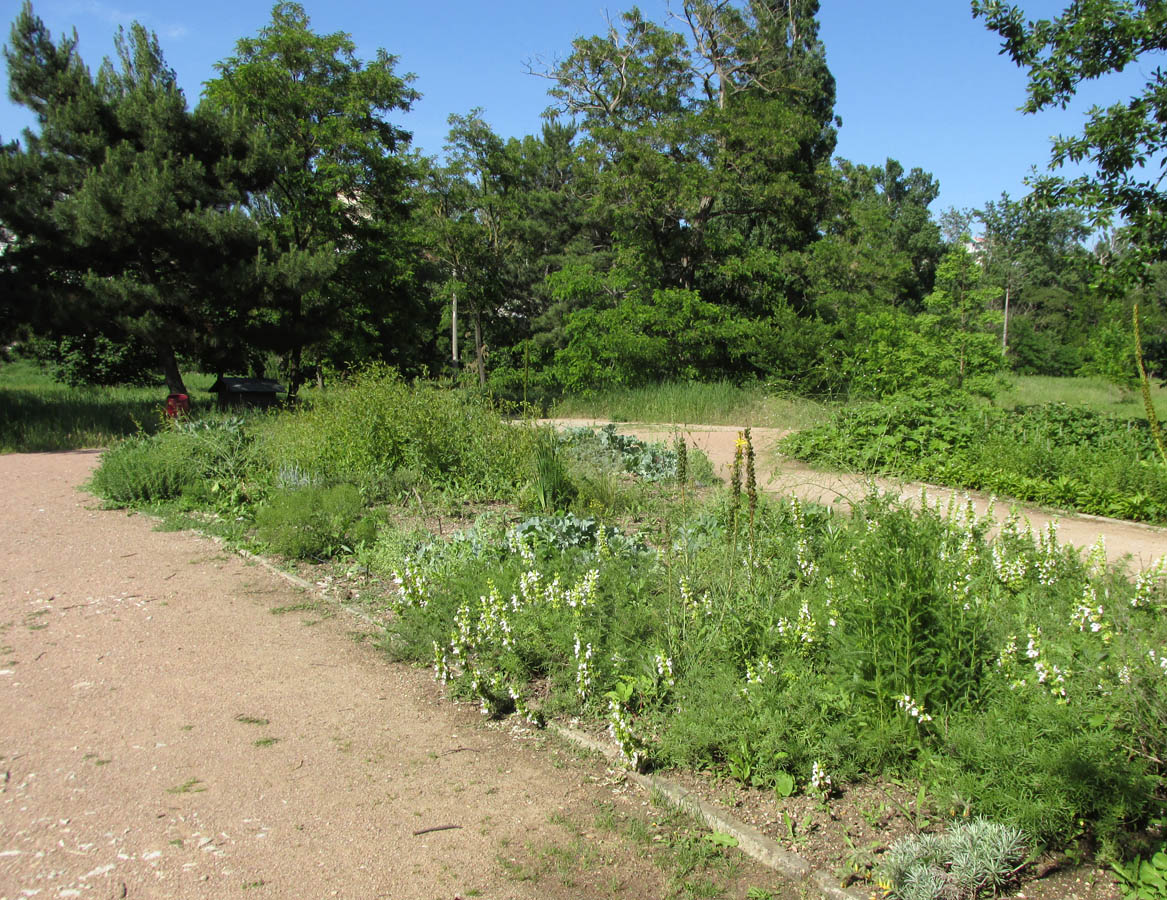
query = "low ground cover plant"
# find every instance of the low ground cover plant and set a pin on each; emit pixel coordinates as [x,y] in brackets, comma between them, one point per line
[974,858]
[1054,454]
[650,461]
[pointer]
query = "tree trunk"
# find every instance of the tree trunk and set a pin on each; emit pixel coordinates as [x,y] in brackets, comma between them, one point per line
[481,362]
[295,373]
[1005,329]
[174,382]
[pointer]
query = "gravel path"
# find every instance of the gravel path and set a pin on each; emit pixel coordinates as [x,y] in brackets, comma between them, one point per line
[164,735]
[1140,545]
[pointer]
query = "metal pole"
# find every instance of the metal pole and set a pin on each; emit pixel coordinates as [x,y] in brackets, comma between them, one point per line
[454,331]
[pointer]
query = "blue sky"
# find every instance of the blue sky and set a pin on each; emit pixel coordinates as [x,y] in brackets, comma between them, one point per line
[918,80]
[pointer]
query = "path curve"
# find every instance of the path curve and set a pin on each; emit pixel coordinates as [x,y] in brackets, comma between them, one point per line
[1140,545]
[164,735]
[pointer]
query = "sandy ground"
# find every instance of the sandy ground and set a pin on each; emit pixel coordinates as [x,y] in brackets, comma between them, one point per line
[164,735]
[1139,545]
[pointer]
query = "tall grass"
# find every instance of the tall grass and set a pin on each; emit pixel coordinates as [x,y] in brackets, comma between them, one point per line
[696,403]
[1094,393]
[38,414]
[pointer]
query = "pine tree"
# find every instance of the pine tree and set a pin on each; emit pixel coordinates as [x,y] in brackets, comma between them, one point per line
[125,206]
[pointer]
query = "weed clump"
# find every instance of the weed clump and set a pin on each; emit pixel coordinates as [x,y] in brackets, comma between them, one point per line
[315,522]
[377,427]
[147,469]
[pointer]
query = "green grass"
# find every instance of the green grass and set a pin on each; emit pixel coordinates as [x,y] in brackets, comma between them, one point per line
[696,403]
[38,414]
[723,403]
[1095,393]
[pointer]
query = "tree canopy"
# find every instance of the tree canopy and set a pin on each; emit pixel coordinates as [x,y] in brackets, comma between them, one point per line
[678,213]
[124,206]
[332,215]
[1124,142]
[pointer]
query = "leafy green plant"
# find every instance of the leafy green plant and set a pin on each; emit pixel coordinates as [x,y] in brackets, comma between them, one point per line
[652,462]
[315,522]
[1144,879]
[376,425]
[147,468]
[888,642]
[552,489]
[971,860]
[1053,453]
[784,784]
[95,359]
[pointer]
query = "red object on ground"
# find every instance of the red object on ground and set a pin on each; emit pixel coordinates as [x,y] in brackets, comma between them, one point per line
[177,405]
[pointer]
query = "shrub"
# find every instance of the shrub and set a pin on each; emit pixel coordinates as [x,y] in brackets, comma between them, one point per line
[147,469]
[370,429]
[95,359]
[315,522]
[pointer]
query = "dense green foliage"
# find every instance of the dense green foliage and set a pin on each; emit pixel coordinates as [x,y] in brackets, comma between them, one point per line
[331,213]
[96,359]
[124,205]
[1054,454]
[1009,675]
[315,522]
[386,435]
[148,468]
[683,221]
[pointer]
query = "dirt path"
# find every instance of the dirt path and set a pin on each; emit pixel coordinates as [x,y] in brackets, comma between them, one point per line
[164,735]
[1142,544]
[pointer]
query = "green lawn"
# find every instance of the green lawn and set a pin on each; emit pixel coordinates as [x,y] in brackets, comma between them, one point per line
[1095,393]
[38,414]
[693,403]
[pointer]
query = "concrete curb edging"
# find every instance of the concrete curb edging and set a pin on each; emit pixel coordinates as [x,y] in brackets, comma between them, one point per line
[299,582]
[750,841]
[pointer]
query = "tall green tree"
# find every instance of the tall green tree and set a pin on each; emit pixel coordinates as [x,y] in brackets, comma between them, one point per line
[337,244]
[503,216]
[707,147]
[960,321]
[879,244]
[1034,256]
[1124,142]
[123,206]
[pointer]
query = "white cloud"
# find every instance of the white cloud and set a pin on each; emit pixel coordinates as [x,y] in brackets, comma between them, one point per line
[116,16]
